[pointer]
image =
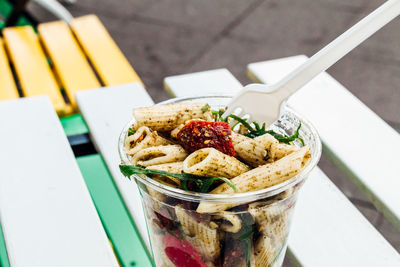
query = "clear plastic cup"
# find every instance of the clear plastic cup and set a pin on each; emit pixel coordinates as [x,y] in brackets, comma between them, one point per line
[253,233]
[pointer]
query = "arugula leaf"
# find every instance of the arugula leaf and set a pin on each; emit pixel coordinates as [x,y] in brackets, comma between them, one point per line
[242,121]
[203,183]
[246,238]
[218,115]
[258,131]
[131,131]
[287,139]
[205,108]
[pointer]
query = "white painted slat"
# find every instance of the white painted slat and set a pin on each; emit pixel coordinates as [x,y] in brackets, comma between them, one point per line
[106,112]
[197,84]
[327,229]
[371,160]
[46,212]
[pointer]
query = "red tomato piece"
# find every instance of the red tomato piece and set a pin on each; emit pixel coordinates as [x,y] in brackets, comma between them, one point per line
[181,253]
[200,134]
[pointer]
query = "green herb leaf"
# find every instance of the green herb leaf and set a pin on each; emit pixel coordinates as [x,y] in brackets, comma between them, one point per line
[202,183]
[205,108]
[246,238]
[208,181]
[248,231]
[242,121]
[131,131]
[218,115]
[258,131]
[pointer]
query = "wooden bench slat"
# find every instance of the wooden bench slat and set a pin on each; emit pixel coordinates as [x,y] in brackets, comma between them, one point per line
[195,84]
[34,73]
[70,63]
[106,112]
[8,90]
[108,60]
[46,212]
[327,229]
[371,160]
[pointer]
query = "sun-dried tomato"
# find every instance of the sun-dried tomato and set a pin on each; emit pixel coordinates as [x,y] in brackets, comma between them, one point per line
[201,134]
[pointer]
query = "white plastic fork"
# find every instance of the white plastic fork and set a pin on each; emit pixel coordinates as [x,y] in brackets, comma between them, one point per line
[262,103]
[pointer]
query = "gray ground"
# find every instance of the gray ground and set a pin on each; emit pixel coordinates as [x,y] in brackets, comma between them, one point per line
[168,37]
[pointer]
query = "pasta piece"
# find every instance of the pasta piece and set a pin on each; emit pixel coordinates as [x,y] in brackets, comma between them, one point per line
[272,219]
[207,232]
[143,138]
[168,117]
[262,177]
[174,132]
[158,195]
[205,235]
[280,150]
[173,167]
[207,251]
[232,222]
[159,155]
[211,162]
[257,151]
[264,251]
[238,138]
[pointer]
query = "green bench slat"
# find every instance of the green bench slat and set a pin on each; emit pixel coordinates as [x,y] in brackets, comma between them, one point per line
[113,214]
[74,125]
[3,252]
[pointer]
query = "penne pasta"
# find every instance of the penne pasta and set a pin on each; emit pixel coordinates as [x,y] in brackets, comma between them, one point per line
[262,177]
[257,151]
[157,195]
[173,167]
[272,218]
[280,150]
[174,132]
[205,235]
[211,162]
[263,149]
[238,138]
[159,155]
[168,117]
[143,138]
[264,251]
[231,222]
[209,252]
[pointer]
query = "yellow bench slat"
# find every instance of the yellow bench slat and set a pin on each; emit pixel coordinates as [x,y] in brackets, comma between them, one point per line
[108,60]
[8,90]
[31,66]
[69,62]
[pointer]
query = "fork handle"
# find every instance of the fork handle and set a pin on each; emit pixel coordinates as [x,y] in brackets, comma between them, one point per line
[338,48]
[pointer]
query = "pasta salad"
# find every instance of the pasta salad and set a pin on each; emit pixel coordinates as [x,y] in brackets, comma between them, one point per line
[190,147]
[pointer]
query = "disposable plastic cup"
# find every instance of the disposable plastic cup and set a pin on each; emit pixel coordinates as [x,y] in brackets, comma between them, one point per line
[252,233]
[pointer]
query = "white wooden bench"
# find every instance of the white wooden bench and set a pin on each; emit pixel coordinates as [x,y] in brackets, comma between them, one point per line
[357,140]
[106,112]
[327,229]
[46,213]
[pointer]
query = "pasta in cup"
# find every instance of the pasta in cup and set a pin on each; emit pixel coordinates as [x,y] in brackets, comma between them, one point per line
[208,208]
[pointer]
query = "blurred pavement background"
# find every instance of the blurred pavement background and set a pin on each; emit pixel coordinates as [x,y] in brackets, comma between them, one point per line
[168,37]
